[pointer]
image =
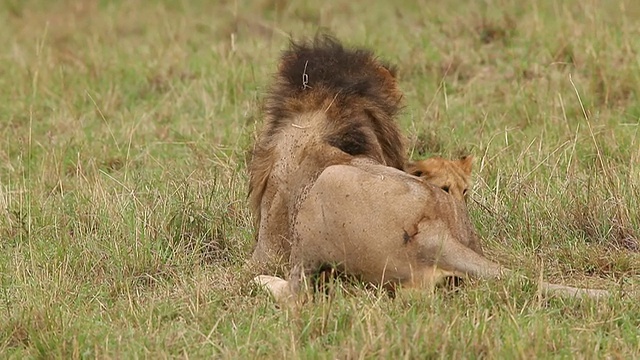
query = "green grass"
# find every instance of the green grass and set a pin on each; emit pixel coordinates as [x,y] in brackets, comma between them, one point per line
[125,127]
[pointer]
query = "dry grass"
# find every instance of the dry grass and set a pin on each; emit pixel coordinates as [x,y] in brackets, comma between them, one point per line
[125,127]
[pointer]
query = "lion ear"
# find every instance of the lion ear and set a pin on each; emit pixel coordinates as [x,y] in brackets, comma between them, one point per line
[409,167]
[388,73]
[412,168]
[466,163]
[389,69]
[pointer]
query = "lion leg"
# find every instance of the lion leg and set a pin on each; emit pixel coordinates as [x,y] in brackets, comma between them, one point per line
[477,265]
[453,257]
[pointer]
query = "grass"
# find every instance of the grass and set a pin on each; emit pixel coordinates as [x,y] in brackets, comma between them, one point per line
[125,128]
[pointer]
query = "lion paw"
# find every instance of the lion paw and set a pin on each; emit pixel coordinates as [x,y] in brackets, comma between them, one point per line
[278,287]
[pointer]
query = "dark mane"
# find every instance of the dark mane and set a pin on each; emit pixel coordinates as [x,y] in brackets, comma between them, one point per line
[312,71]
[330,66]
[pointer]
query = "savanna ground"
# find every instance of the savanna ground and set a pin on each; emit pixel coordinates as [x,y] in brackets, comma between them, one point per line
[126,127]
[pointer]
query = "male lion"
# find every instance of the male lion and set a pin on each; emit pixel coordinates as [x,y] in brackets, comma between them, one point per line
[452,176]
[327,189]
[324,96]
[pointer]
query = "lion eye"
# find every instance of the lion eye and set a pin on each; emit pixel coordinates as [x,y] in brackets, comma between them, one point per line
[445,188]
[464,192]
[417,173]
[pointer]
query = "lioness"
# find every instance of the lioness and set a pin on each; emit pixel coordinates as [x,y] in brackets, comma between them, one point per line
[327,188]
[452,176]
[387,228]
